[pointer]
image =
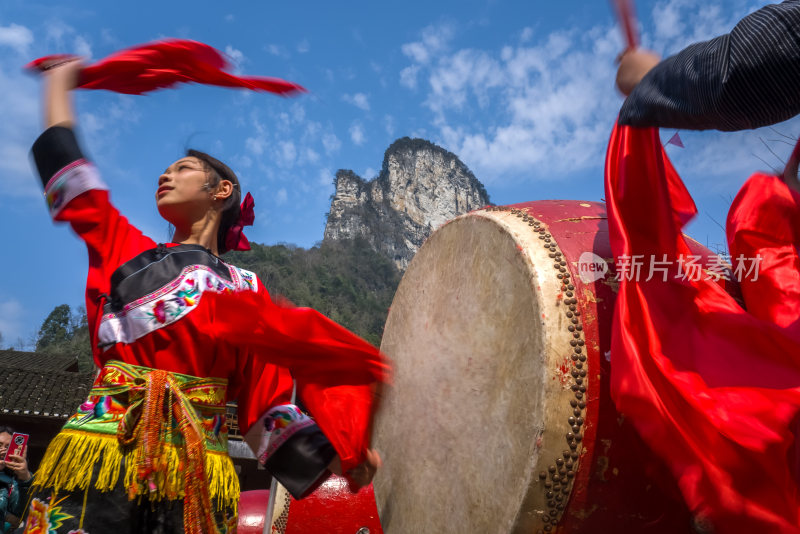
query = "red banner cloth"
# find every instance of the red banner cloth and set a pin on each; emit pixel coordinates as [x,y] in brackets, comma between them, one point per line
[338,374]
[713,389]
[162,64]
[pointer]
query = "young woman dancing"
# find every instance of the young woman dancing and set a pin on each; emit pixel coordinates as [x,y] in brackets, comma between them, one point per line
[177,332]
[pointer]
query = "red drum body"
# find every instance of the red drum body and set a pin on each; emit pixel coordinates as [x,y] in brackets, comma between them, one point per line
[331,509]
[500,418]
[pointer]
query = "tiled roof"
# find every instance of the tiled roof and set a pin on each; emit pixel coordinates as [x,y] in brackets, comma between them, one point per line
[36,360]
[42,393]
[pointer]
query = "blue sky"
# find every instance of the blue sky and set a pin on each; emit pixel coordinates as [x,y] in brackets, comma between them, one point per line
[521,91]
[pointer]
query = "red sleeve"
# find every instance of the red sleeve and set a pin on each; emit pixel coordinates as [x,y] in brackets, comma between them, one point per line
[763,227]
[263,386]
[335,369]
[76,194]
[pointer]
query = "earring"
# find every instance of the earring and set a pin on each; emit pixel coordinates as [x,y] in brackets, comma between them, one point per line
[215,197]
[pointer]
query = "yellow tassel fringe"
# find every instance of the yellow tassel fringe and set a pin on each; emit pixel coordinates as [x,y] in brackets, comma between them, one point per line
[71,458]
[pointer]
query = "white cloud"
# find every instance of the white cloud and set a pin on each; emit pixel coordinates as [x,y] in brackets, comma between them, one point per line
[235,56]
[359,100]
[357,134]
[61,37]
[677,23]
[465,71]
[281,196]
[543,105]
[256,145]
[17,37]
[408,76]
[303,46]
[82,47]
[230,17]
[287,153]
[276,50]
[311,155]
[369,173]
[331,143]
[434,40]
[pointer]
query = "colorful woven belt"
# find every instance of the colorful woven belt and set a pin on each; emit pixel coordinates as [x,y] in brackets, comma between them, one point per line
[164,425]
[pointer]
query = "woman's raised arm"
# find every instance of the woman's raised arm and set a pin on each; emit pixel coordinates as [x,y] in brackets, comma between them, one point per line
[59,80]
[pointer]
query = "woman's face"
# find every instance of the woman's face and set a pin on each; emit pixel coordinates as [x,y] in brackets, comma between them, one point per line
[183,194]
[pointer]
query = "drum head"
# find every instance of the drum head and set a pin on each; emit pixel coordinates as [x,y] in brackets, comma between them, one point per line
[461,429]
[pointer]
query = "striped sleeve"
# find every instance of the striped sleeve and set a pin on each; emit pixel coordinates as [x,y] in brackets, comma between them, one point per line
[745,79]
[63,169]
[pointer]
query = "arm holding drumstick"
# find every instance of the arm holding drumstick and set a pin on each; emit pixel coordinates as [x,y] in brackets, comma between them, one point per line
[745,79]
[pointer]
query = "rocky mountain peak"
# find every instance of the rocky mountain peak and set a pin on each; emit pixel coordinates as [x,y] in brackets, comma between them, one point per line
[419,188]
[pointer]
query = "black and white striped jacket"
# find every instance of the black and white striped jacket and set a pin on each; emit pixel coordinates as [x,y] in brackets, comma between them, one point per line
[745,79]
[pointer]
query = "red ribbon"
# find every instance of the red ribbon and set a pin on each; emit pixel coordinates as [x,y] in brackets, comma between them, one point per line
[162,64]
[235,238]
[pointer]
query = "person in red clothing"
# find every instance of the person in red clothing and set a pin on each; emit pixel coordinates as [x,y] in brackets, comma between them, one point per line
[176,332]
[711,384]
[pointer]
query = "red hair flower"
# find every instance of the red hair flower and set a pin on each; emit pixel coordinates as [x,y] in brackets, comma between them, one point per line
[235,238]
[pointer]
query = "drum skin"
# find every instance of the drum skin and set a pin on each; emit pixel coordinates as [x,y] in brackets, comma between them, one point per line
[500,418]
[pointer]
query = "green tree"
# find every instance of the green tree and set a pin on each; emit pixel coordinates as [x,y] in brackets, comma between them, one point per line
[65,332]
[56,328]
[346,280]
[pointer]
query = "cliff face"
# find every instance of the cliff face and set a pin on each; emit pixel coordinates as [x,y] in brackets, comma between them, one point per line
[420,187]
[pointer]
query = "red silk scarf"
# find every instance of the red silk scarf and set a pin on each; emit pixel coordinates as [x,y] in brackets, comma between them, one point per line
[338,374]
[163,64]
[713,389]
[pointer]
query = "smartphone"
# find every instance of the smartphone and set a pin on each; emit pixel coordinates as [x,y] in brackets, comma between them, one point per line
[19,442]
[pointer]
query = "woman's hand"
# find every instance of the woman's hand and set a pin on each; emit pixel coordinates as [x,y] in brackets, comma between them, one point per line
[19,466]
[633,66]
[64,71]
[362,474]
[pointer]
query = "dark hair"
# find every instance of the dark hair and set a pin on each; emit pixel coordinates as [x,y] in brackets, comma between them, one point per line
[6,429]
[231,209]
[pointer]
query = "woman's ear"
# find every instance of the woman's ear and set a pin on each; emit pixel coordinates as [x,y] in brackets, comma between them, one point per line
[224,190]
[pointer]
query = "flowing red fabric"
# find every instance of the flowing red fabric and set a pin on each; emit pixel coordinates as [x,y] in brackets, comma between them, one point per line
[713,389]
[338,374]
[162,64]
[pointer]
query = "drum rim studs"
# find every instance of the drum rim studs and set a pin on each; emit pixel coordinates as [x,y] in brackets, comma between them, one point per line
[559,479]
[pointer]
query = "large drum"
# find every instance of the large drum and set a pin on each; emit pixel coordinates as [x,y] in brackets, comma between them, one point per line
[500,418]
[331,509]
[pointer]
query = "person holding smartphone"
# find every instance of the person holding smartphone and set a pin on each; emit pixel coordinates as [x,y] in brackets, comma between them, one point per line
[15,479]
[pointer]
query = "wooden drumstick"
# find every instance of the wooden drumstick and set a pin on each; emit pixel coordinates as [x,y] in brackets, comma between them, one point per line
[627,20]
